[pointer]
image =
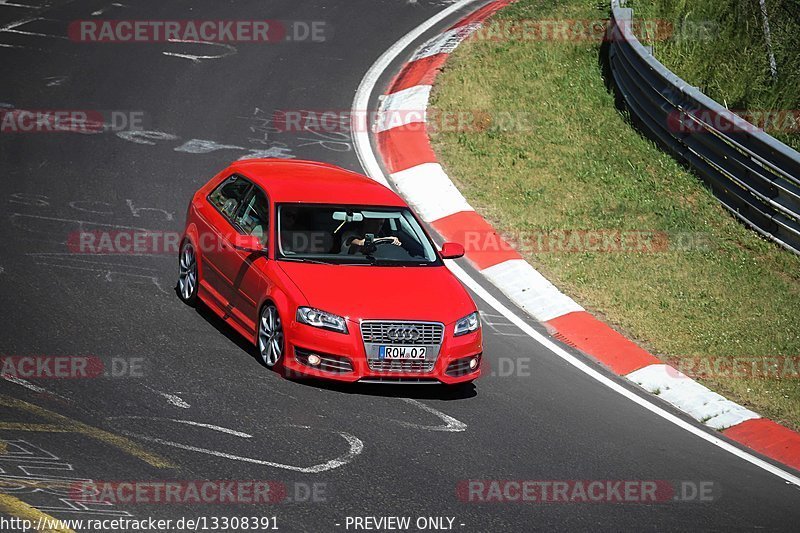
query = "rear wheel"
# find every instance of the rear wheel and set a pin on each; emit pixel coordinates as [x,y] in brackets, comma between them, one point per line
[270,336]
[187,275]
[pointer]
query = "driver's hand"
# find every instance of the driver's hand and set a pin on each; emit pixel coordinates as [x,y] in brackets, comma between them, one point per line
[391,240]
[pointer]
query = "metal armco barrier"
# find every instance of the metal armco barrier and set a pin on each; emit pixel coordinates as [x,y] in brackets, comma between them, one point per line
[752,174]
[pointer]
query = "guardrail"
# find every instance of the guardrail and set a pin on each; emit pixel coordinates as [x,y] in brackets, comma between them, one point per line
[752,174]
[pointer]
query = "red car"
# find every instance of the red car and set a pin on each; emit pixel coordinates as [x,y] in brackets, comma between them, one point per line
[329,274]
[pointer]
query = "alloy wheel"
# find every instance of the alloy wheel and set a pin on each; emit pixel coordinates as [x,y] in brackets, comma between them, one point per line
[270,336]
[187,277]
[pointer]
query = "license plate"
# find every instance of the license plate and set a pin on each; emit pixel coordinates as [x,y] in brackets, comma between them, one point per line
[411,353]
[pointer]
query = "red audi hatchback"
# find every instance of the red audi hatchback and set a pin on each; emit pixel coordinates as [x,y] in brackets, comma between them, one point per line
[329,274]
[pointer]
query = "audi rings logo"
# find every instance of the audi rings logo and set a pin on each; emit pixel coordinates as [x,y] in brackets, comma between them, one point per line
[403,333]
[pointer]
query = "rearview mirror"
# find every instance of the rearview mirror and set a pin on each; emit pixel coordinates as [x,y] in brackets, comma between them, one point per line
[248,243]
[452,250]
[342,216]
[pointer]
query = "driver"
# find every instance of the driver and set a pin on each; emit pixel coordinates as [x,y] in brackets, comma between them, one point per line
[360,242]
[373,227]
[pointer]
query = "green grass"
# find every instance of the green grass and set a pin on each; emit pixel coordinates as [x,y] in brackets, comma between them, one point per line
[581,166]
[719,46]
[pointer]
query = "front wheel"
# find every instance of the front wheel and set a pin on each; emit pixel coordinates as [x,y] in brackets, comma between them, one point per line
[187,275]
[270,336]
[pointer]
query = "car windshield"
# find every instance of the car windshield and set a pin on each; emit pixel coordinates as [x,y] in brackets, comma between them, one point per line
[352,235]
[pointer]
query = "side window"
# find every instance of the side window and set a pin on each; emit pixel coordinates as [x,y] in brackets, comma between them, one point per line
[254,216]
[229,195]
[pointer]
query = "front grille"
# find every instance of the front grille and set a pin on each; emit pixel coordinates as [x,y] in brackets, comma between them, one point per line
[380,332]
[328,363]
[401,366]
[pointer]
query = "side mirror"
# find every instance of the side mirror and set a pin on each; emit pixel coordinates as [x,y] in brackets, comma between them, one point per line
[452,250]
[248,243]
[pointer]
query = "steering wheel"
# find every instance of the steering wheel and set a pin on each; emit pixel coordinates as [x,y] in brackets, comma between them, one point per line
[384,240]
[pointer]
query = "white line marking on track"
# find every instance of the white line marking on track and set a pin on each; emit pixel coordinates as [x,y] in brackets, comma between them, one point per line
[499,326]
[188,423]
[37,34]
[81,224]
[28,385]
[356,446]
[373,169]
[229,50]
[110,272]
[450,423]
[175,400]
[6,3]
[104,9]
[444,43]
[55,81]
[23,383]
[484,295]
[361,102]
[4,45]
[17,23]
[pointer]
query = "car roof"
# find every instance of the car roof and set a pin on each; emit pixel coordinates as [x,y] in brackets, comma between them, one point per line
[293,180]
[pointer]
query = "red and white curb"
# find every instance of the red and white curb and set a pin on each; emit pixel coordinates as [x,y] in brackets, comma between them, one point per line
[407,155]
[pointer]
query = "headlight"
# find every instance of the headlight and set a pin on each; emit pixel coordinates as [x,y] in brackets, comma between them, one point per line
[468,324]
[321,319]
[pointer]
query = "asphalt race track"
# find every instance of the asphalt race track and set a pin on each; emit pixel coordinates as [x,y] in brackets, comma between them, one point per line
[200,405]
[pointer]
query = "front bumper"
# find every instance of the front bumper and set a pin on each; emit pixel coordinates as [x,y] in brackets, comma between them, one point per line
[344,357]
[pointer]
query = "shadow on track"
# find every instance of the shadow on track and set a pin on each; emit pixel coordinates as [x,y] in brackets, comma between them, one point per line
[416,392]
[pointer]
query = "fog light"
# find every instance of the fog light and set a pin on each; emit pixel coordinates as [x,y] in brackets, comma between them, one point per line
[473,363]
[314,360]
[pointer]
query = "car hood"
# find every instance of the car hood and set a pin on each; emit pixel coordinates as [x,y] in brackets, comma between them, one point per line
[382,292]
